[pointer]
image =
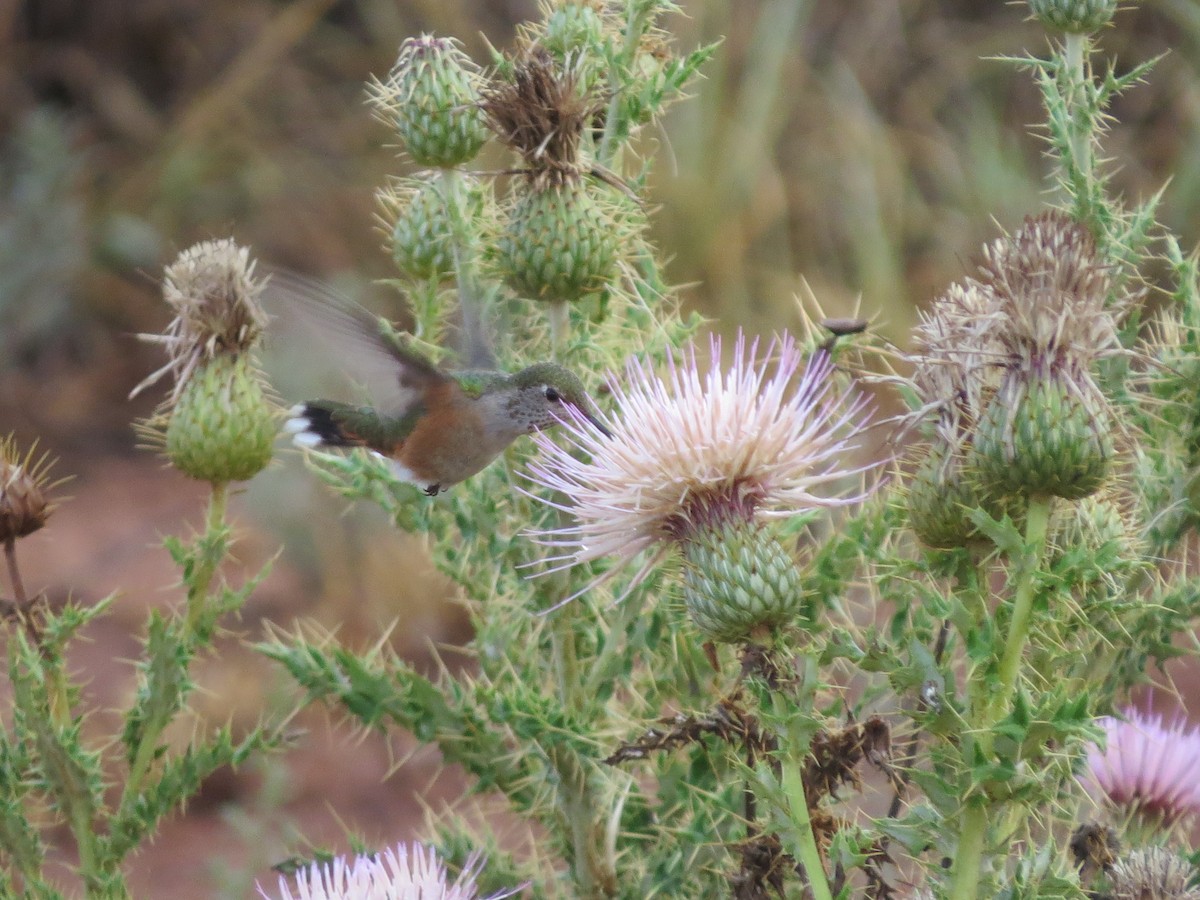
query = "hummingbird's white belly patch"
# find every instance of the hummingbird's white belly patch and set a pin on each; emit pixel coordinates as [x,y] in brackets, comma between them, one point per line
[404,473]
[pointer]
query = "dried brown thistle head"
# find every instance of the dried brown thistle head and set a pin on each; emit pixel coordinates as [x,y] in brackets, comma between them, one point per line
[540,112]
[24,484]
[214,293]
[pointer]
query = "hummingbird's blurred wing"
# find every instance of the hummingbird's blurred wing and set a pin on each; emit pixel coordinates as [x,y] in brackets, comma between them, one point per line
[396,376]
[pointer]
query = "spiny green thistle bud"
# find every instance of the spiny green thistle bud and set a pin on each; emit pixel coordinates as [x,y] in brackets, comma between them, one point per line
[1073,16]
[941,497]
[1047,430]
[1088,525]
[559,243]
[431,100]
[24,483]
[738,579]
[572,25]
[222,426]
[421,223]
[217,424]
[1040,438]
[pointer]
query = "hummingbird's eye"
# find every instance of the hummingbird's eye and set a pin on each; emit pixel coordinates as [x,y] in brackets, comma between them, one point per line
[552,395]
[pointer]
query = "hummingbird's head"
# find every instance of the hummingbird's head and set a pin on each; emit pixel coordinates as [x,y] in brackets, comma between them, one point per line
[542,392]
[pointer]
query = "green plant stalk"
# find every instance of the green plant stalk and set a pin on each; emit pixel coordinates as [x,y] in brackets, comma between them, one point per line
[1075,50]
[462,248]
[573,797]
[595,876]
[198,586]
[635,26]
[969,860]
[805,844]
[197,595]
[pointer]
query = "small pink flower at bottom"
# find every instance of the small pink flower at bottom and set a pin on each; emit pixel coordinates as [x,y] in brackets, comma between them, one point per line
[1147,768]
[406,872]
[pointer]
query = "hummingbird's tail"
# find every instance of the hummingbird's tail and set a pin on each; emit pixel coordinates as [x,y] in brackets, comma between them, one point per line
[318,423]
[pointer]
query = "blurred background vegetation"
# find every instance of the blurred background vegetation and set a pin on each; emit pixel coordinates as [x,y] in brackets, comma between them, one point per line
[867,147]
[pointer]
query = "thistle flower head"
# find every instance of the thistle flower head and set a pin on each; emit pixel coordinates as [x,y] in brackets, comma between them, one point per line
[955,353]
[540,112]
[1147,769]
[404,873]
[1048,430]
[430,98]
[212,289]
[1073,16]
[702,448]
[217,425]
[1153,873]
[1052,293]
[24,483]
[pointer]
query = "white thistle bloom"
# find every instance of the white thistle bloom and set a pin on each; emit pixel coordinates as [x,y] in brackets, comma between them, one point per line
[702,447]
[406,872]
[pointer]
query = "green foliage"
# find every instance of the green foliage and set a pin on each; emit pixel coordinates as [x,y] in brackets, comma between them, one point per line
[54,773]
[969,680]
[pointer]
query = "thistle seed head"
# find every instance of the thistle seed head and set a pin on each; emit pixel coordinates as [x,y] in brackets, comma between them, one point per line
[212,289]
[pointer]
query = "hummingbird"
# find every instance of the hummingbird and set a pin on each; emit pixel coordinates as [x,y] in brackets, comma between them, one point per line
[435,427]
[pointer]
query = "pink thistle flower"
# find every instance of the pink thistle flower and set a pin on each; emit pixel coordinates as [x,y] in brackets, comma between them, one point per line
[700,449]
[1147,768]
[406,872]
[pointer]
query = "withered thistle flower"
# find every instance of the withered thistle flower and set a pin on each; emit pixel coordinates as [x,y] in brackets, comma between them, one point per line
[1147,771]
[406,872]
[559,241]
[701,461]
[431,100]
[955,356]
[218,424]
[1153,873]
[1047,430]
[24,484]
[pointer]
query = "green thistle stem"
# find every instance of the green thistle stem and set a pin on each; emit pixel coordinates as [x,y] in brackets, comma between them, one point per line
[14,574]
[197,595]
[206,568]
[462,247]
[1075,47]
[1036,525]
[614,123]
[560,326]
[968,862]
[805,843]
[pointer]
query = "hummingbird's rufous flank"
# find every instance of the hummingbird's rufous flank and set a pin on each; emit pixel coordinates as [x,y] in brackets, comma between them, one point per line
[436,427]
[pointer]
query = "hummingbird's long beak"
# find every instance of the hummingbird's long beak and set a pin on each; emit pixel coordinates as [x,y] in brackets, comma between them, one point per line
[599,427]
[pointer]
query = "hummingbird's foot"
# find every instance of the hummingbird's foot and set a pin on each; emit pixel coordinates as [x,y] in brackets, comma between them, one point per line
[433,489]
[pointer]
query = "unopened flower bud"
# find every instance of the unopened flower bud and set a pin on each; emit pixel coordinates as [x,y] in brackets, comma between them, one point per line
[422,222]
[431,99]
[941,497]
[738,579]
[559,242]
[222,428]
[1038,437]
[1073,16]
